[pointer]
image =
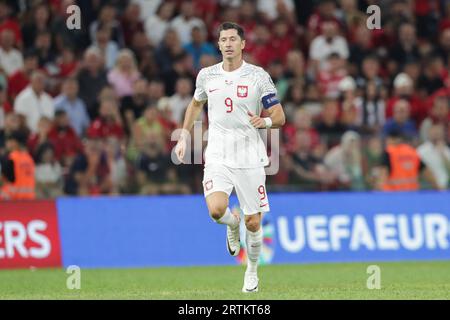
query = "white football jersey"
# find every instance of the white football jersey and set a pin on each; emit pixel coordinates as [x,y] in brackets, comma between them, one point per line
[232,140]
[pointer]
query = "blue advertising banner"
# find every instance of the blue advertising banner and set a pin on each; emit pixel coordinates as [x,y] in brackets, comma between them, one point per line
[301,228]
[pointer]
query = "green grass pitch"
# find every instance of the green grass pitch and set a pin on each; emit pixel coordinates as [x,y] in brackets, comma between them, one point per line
[399,280]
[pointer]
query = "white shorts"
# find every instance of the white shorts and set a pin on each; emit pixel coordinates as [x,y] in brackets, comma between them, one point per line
[250,185]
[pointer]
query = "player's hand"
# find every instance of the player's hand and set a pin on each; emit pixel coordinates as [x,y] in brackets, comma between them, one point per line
[180,148]
[256,121]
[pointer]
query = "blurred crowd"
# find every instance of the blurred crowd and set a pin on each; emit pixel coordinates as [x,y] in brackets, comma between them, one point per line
[99,105]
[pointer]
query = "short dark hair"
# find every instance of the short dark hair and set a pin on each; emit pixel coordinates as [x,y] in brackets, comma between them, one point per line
[232,25]
[396,133]
[19,136]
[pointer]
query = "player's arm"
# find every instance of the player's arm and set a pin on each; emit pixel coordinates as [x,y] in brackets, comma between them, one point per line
[270,103]
[276,118]
[192,112]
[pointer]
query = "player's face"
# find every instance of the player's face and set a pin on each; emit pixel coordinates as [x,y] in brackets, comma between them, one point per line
[230,44]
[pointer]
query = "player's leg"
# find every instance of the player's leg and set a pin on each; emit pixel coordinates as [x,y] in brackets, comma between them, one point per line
[217,203]
[251,192]
[217,186]
[253,240]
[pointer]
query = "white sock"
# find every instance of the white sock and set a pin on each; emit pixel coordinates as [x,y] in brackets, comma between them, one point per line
[228,219]
[254,244]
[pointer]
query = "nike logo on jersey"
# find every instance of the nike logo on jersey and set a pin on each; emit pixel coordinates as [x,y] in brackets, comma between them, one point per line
[212,90]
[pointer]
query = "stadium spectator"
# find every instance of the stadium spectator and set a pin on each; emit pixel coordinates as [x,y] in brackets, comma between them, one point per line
[443,48]
[327,43]
[89,174]
[199,46]
[406,48]
[65,37]
[186,21]
[145,55]
[431,79]
[107,47]
[11,124]
[8,22]
[401,121]
[330,76]
[148,124]
[40,22]
[43,47]
[131,23]
[157,25]
[345,161]
[401,166]
[20,79]
[180,100]
[169,49]
[33,102]
[181,68]
[17,170]
[73,106]
[48,172]
[372,157]
[11,59]
[109,122]
[155,175]
[404,89]
[347,97]
[272,10]
[307,171]
[435,154]
[117,165]
[325,11]
[295,65]
[360,48]
[370,72]
[282,42]
[439,114]
[147,8]
[108,18]
[156,90]
[351,18]
[64,139]
[261,47]
[124,74]
[370,109]
[66,63]
[301,124]
[91,80]
[248,19]
[132,107]
[36,139]
[276,72]
[329,127]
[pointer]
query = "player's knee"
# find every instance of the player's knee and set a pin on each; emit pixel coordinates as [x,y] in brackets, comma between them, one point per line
[252,223]
[217,211]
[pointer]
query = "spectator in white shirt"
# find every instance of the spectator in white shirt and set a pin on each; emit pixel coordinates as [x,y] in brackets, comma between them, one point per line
[180,100]
[148,8]
[272,9]
[185,22]
[33,102]
[157,24]
[11,59]
[328,42]
[436,155]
